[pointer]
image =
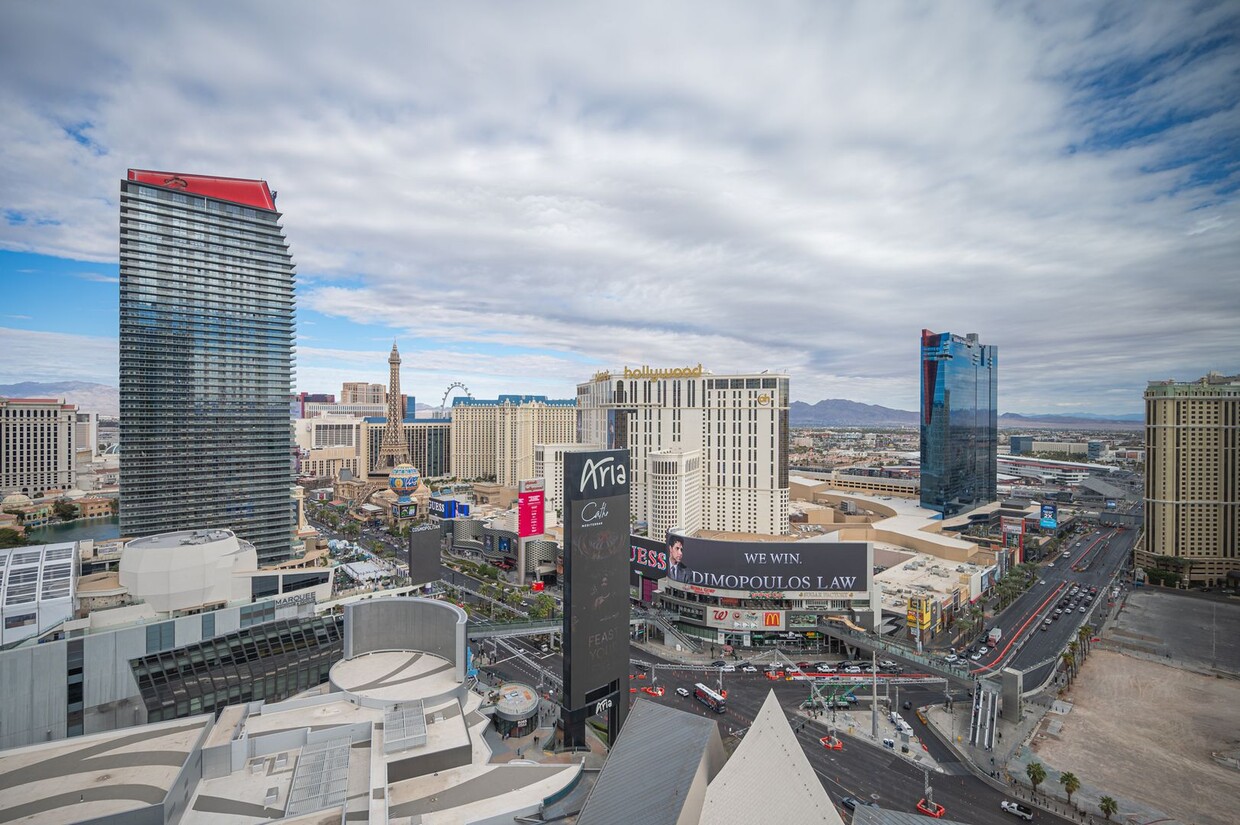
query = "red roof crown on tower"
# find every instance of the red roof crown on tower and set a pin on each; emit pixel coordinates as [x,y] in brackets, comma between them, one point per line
[237,190]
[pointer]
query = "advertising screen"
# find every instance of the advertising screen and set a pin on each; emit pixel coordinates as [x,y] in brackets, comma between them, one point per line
[443,507]
[647,559]
[769,567]
[423,555]
[530,508]
[405,510]
[596,592]
[505,544]
[1050,516]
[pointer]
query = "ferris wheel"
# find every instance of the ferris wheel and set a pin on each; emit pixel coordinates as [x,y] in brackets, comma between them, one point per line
[455,385]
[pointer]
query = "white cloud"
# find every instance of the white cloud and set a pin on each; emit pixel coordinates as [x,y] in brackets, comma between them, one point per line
[56,356]
[800,187]
[97,277]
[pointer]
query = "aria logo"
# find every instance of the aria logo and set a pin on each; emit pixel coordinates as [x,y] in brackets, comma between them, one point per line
[603,473]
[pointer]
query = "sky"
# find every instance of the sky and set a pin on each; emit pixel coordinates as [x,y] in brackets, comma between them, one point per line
[521,194]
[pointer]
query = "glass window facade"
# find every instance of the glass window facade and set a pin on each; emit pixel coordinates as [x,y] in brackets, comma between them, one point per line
[959,422]
[206,360]
[270,661]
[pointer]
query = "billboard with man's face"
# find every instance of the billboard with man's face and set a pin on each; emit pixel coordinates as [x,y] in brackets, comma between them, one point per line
[768,567]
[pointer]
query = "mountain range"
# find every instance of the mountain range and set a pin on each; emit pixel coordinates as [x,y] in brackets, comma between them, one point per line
[839,412]
[831,412]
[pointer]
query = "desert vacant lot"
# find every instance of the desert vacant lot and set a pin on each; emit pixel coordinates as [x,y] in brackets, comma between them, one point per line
[1145,731]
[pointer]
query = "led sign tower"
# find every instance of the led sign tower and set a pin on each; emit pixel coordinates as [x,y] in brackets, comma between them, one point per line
[596,591]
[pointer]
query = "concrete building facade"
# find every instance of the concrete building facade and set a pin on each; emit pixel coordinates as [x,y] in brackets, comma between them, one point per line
[360,392]
[495,438]
[1192,478]
[735,425]
[38,438]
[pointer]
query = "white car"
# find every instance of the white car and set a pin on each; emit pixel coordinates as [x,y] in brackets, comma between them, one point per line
[976,656]
[952,658]
[749,669]
[1017,809]
[983,650]
[728,668]
[682,691]
[852,669]
[1052,564]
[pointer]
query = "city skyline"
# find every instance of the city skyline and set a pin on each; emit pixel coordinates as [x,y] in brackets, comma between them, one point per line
[801,190]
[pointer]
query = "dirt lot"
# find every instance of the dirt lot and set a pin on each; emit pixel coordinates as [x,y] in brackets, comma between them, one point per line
[1146,731]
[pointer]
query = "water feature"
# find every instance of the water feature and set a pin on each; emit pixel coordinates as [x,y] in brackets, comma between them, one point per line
[95,528]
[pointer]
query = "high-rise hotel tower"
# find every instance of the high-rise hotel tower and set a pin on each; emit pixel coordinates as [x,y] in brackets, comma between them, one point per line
[959,422]
[707,452]
[1192,479]
[206,358]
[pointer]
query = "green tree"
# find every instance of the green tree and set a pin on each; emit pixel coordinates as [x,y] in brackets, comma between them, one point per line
[11,538]
[543,606]
[1083,635]
[1070,784]
[1069,664]
[64,510]
[1036,774]
[114,506]
[1108,806]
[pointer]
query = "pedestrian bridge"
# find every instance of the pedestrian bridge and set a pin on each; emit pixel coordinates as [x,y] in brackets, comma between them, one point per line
[528,627]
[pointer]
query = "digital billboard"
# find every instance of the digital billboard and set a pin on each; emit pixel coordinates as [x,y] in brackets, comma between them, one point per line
[769,567]
[443,507]
[919,612]
[530,508]
[647,559]
[596,593]
[1050,516]
[422,554]
[407,510]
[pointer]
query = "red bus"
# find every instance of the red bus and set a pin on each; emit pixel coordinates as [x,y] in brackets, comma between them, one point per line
[710,698]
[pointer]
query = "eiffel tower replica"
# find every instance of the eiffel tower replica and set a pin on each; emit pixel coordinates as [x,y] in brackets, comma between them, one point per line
[393,449]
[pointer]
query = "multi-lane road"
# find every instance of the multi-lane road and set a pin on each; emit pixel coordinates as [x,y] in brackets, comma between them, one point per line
[1092,560]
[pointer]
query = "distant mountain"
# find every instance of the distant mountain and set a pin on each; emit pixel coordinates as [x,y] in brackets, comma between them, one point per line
[97,398]
[838,412]
[1070,422]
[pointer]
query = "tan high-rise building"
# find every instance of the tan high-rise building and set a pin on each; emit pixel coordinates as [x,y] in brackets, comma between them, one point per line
[729,430]
[1192,478]
[36,445]
[359,392]
[496,438]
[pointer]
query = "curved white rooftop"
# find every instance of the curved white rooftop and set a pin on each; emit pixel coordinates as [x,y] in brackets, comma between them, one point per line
[187,569]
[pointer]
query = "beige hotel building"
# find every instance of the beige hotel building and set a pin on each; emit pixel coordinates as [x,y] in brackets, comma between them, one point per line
[1192,478]
[707,452]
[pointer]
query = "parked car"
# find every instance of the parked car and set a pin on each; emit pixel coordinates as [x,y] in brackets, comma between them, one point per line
[718,663]
[682,691]
[852,669]
[727,668]
[951,658]
[1016,809]
[749,669]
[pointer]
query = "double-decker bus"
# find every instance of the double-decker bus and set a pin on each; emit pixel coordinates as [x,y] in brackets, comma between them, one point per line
[709,698]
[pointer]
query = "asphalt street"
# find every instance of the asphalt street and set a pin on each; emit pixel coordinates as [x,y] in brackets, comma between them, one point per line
[861,769]
[1024,644]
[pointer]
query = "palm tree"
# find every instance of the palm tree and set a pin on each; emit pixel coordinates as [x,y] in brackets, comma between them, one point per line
[1108,806]
[1069,665]
[1074,649]
[1070,784]
[1036,774]
[1083,635]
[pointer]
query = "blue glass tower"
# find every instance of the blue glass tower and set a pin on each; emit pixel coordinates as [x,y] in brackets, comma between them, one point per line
[206,359]
[959,422]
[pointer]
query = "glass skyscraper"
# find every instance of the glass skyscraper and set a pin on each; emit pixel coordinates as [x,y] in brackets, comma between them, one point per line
[206,359]
[959,422]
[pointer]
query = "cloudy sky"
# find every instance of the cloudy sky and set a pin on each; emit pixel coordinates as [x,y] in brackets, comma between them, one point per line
[523,193]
